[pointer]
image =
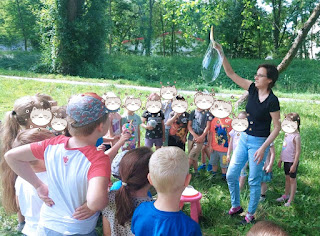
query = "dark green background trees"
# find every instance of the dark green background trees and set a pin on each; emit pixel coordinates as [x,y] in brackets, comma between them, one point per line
[72,34]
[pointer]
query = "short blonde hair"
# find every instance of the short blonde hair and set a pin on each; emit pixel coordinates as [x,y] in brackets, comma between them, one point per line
[266,228]
[168,168]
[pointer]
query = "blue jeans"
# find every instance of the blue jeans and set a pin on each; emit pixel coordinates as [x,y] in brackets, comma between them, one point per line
[165,144]
[244,152]
[43,231]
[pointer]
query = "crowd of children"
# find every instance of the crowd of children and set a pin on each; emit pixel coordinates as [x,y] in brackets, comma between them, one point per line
[67,164]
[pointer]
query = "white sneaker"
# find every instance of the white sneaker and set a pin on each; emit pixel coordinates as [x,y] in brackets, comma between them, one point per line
[262,199]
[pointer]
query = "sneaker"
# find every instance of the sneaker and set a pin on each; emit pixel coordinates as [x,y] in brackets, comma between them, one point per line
[262,199]
[235,211]
[288,203]
[282,198]
[209,168]
[213,173]
[248,220]
[202,167]
[224,177]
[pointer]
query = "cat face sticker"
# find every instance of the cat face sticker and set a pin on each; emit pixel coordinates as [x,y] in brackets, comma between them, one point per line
[153,106]
[221,109]
[289,126]
[58,124]
[179,106]
[240,124]
[132,104]
[112,102]
[168,92]
[203,101]
[40,117]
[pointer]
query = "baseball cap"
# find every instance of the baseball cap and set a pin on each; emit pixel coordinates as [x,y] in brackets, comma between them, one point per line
[86,108]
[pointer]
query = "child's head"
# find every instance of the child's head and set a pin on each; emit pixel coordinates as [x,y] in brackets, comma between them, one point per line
[8,177]
[266,228]
[59,120]
[242,115]
[85,113]
[133,172]
[154,97]
[48,98]
[168,170]
[293,116]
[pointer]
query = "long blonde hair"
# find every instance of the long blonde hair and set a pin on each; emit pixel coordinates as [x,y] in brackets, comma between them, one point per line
[15,121]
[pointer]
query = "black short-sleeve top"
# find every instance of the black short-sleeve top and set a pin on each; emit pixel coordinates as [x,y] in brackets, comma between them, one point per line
[259,112]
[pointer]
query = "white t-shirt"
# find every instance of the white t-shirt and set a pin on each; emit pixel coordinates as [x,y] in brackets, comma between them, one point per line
[29,202]
[69,170]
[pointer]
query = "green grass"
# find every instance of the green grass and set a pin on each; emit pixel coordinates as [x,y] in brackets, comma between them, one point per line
[300,219]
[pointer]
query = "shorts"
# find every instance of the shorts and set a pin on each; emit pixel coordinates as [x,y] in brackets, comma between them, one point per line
[287,166]
[215,156]
[266,177]
[156,141]
[194,150]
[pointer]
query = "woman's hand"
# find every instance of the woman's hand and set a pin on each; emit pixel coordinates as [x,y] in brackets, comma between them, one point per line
[259,154]
[83,212]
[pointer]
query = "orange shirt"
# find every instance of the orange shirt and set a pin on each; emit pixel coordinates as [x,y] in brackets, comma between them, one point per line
[219,129]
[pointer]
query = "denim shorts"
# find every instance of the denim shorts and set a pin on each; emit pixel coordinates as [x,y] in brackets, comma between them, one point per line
[216,156]
[43,231]
[266,177]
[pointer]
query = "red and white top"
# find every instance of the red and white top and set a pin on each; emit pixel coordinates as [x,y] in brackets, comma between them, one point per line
[69,171]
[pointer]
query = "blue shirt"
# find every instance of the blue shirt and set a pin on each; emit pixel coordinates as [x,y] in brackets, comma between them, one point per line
[149,221]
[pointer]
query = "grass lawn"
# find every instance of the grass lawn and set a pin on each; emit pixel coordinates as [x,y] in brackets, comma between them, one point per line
[300,219]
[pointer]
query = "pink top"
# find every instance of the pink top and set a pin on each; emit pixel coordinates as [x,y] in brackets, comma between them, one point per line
[289,149]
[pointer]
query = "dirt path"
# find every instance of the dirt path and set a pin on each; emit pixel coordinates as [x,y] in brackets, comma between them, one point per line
[143,88]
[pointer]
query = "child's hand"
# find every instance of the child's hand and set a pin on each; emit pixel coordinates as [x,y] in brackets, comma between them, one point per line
[200,139]
[101,147]
[292,169]
[228,158]
[83,212]
[279,163]
[43,194]
[124,137]
[149,127]
[268,168]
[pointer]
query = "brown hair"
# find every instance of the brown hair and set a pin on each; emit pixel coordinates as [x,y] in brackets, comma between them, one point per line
[272,73]
[85,130]
[61,112]
[14,120]
[294,117]
[8,177]
[266,228]
[133,171]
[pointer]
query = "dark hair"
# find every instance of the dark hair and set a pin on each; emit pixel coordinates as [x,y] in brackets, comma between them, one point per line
[294,117]
[272,73]
[133,171]
[180,97]
[266,228]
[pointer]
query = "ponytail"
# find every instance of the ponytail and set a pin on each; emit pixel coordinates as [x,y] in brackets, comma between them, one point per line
[133,172]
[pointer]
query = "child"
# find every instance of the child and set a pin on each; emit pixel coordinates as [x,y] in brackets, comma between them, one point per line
[198,126]
[133,171]
[290,157]
[234,140]
[16,120]
[267,172]
[77,172]
[178,127]
[152,121]
[136,121]
[168,173]
[218,141]
[166,109]
[28,200]
[266,228]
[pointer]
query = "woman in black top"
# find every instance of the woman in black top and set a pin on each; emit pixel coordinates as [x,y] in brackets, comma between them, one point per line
[262,108]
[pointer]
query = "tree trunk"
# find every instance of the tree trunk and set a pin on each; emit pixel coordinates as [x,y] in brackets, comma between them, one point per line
[22,26]
[299,39]
[110,33]
[149,33]
[163,33]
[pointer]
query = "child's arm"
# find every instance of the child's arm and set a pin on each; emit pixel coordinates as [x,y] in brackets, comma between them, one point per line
[163,131]
[172,119]
[106,227]
[195,136]
[83,212]
[272,158]
[297,142]
[229,149]
[97,194]
[204,134]
[139,133]
[18,159]
[112,152]
[144,125]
